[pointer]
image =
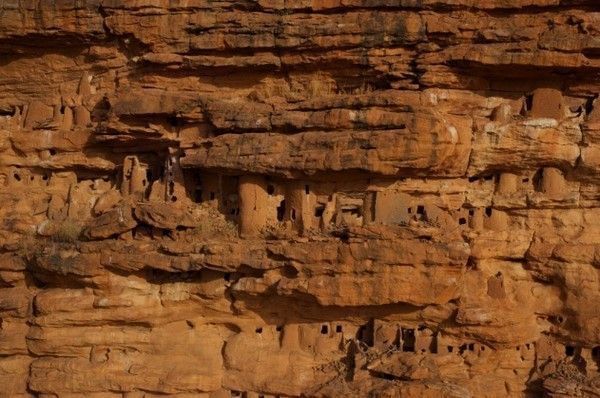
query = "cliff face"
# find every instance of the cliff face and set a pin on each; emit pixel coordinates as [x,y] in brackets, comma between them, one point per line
[260,198]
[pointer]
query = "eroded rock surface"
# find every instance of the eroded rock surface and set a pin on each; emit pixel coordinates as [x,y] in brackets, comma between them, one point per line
[317,198]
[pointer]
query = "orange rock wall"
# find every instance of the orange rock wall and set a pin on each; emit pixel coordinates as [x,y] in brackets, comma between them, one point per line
[316,198]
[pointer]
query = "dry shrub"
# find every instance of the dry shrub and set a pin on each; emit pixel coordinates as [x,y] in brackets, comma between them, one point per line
[67,232]
[320,86]
[213,224]
[270,88]
[29,247]
[365,88]
[282,230]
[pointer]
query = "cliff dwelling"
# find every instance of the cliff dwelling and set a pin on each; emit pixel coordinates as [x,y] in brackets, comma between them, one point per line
[308,198]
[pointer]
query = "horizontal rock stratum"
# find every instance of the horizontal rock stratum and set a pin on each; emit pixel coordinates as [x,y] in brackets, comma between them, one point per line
[299,198]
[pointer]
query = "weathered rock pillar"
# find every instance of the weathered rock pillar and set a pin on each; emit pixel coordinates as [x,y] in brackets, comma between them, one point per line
[547,103]
[502,113]
[134,177]
[253,205]
[507,184]
[368,208]
[290,339]
[175,187]
[496,221]
[553,182]
[297,198]
[476,219]
[67,119]
[81,116]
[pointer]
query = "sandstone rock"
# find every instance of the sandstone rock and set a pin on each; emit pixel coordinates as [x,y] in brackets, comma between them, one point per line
[162,215]
[110,223]
[311,198]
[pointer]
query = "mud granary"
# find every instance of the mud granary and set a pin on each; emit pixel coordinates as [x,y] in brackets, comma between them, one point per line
[308,198]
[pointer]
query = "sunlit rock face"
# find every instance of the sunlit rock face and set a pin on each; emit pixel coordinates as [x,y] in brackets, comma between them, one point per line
[309,198]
